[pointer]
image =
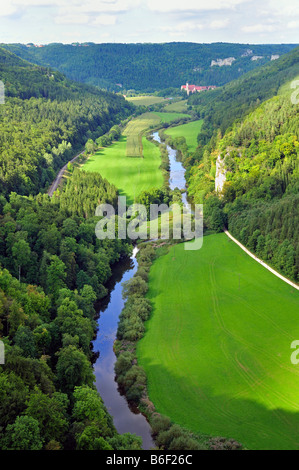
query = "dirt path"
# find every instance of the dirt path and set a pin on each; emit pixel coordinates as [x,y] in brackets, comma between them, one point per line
[261,262]
[57,180]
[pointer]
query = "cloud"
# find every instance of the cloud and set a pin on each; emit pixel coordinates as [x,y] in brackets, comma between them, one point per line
[167,6]
[183,27]
[72,18]
[293,25]
[98,6]
[219,24]
[68,8]
[105,20]
[260,28]
[7,9]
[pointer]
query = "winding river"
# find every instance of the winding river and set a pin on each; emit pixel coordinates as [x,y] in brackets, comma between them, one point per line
[125,419]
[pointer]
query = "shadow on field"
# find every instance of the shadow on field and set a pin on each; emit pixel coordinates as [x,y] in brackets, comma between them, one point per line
[196,408]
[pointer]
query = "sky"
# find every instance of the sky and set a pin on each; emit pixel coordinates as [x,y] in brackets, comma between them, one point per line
[139,21]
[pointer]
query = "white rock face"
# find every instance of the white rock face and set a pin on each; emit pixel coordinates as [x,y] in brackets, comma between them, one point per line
[220,177]
[275,56]
[247,53]
[221,62]
[257,57]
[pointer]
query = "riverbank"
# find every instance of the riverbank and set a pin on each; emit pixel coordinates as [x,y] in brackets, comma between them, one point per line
[125,418]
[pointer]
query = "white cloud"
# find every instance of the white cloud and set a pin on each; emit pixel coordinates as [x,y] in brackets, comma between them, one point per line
[219,24]
[72,18]
[260,28]
[98,6]
[167,6]
[69,7]
[293,25]
[7,9]
[105,20]
[183,27]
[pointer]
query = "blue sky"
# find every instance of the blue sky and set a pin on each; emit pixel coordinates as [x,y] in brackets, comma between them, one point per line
[66,21]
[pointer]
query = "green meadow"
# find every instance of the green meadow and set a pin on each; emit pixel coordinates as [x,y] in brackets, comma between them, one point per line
[132,164]
[177,106]
[189,131]
[172,116]
[145,100]
[217,346]
[129,175]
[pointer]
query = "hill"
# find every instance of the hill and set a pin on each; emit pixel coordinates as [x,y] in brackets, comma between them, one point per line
[45,119]
[221,107]
[151,67]
[259,199]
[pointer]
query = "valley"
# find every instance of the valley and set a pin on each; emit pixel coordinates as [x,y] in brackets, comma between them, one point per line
[117,344]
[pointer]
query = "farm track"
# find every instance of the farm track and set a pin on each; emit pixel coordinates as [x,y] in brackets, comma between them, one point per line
[59,177]
[293,284]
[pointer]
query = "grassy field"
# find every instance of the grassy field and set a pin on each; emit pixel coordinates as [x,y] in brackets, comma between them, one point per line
[130,175]
[145,100]
[217,346]
[134,131]
[189,131]
[177,106]
[170,117]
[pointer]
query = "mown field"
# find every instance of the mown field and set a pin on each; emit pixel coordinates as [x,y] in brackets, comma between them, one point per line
[134,132]
[189,131]
[145,100]
[217,346]
[129,175]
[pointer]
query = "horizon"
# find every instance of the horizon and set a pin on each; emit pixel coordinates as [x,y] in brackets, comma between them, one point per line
[152,43]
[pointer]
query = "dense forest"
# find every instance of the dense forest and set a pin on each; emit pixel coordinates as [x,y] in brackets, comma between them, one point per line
[52,267]
[150,67]
[46,118]
[53,270]
[259,200]
[220,108]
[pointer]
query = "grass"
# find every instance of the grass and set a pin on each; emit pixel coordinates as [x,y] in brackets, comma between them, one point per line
[145,100]
[217,346]
[134,131]
[189,131]
[129,175]
[177,106]
[170,117]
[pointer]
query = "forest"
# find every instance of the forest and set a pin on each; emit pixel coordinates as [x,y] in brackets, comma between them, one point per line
[259,200]
[52,267]
[45,120]
[53,270]
[149,67]
[241,96]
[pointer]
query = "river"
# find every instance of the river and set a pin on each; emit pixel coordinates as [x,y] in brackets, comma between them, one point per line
[125,419]
[176,172]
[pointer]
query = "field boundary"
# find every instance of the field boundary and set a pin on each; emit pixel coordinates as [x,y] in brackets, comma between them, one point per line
[285,279]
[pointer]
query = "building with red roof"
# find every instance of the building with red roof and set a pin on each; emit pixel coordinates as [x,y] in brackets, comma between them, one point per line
[196,89]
